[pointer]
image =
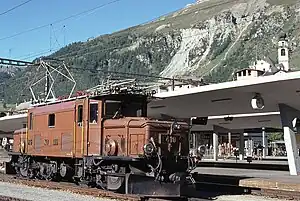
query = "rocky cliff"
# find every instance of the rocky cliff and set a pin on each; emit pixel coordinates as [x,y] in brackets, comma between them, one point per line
[210,39]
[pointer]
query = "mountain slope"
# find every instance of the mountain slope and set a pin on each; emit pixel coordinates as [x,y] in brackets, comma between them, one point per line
[210,39]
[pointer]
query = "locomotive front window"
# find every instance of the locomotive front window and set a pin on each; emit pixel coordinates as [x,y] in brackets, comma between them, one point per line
[111,108]
[94,113]
[117,109]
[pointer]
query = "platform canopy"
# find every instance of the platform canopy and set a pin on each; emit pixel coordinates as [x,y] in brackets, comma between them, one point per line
[9,124]
[231,98]
[242,121]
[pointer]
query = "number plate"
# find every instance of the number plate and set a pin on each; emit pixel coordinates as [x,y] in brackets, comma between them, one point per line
[169,139]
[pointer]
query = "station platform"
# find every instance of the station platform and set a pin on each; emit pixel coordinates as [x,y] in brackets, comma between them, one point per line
[3,158]
[277,164]
[250,178]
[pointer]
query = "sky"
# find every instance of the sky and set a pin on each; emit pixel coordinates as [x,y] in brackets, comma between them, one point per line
[41,13]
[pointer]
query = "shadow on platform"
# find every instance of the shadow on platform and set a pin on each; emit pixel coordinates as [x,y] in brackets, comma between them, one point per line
[210,186]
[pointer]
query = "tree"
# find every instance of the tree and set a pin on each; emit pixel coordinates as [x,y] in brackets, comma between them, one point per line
[275,136]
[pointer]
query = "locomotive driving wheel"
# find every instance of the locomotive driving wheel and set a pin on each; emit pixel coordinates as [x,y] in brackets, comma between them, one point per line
[115,183]
[23,167]
[46,171]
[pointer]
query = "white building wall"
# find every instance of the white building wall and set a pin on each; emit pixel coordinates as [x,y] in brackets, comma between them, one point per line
[176,88]
[283,54]
[248,76]
[262,65]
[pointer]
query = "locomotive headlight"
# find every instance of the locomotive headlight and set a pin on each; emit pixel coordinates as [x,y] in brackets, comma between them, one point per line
[176,126]
[148,149]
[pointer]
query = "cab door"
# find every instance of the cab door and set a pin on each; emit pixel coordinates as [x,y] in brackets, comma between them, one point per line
[79,128]
[94,127]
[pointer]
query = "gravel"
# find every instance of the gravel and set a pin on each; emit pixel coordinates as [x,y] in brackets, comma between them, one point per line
[246,198]
[39,194]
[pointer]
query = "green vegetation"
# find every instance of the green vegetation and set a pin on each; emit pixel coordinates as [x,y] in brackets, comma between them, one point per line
[275,136]
[147,49]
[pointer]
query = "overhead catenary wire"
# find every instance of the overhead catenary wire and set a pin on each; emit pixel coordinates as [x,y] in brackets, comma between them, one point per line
[15,7]
[125,74]
[148,21]
[186,13]
[71,54]
[60,20]
[64,56]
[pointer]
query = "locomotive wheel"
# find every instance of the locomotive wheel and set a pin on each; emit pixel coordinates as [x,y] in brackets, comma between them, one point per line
[63,170]
[115,183]
[23,169]
[46,171]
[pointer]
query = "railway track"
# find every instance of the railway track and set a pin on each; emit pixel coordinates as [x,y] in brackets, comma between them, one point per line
[203,190]
[70,187]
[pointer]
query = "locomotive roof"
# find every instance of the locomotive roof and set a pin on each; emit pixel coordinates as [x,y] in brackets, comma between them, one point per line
[112,96]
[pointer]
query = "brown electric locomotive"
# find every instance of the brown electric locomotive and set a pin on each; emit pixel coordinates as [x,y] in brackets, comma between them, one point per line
[104,141]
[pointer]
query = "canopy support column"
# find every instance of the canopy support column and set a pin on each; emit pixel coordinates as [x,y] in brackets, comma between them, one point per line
[288,114]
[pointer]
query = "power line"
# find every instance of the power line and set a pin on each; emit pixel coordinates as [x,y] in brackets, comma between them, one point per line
[148,21]
[15,7]
[125,46]
[133,74]
[36,54]
[61,20]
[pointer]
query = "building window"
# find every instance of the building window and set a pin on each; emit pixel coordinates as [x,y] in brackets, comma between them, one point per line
[30,121]
[283,53]
[244,73]
[51,120]
[93,112]
[239,74]
[249,72]
[80,114]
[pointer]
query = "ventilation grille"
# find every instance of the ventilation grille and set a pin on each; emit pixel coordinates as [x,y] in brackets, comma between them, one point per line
[66,142]
[37,143]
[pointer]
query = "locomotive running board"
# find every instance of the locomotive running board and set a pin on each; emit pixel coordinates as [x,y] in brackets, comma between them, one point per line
[148,187]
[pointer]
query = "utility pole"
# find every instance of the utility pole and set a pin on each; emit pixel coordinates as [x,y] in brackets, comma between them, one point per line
[64,30]
[47,83]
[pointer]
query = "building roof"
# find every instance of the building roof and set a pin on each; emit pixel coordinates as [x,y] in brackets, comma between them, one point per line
[248,69]
[275,69]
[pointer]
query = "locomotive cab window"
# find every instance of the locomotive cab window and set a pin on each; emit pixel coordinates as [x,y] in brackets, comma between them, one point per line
[94,113]
[30,120]
[79,114]
[51,120]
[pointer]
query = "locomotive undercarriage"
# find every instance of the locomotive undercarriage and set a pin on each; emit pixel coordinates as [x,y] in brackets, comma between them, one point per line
[149,176]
